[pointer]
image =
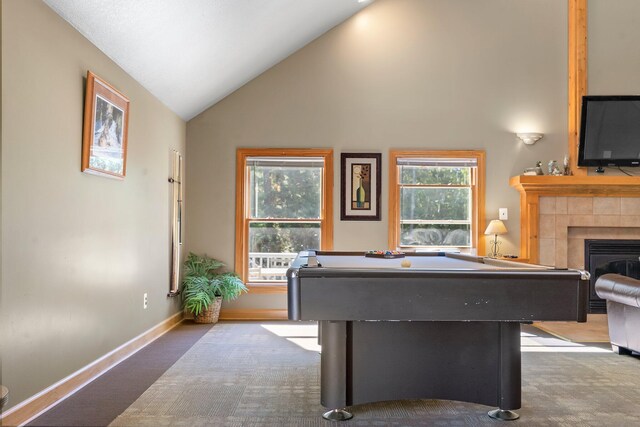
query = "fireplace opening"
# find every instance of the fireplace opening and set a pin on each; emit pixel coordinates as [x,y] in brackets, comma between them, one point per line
[609,256]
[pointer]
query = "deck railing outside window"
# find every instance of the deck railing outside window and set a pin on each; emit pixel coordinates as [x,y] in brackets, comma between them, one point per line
[269,267]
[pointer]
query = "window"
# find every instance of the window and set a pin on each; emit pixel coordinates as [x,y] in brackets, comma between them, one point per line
[283,207]
[436,199]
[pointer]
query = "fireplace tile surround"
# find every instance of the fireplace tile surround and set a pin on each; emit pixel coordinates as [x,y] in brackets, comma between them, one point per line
[558,213]
[565,222]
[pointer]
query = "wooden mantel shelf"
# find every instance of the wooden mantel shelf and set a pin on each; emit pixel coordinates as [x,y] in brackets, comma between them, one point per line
[531,187]
[614,186]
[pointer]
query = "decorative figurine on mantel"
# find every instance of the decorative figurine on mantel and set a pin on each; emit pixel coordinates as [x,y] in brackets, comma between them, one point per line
[553,168]
[534,171]
[567,168]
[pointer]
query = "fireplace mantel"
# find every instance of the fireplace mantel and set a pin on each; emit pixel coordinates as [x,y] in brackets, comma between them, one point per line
[546,185]
[531,188]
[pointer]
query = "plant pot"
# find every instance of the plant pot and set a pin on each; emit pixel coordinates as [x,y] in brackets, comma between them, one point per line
[211,313]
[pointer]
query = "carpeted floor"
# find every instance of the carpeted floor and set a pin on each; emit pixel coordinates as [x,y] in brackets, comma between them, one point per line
[267,374]
[101,401]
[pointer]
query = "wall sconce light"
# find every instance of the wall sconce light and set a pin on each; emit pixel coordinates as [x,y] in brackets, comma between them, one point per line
[529,138]
[495,227]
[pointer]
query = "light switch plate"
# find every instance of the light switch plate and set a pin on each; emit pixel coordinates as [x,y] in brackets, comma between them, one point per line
[503,213]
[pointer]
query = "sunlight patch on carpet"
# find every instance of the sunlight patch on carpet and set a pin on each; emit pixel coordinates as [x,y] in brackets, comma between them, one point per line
[303,335]
[532,343]
[310,344]
[287,330]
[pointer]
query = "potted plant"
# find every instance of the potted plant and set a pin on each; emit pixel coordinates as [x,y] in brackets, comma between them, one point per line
[204,287]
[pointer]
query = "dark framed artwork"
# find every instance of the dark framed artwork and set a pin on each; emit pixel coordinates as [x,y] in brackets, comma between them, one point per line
[104,136]
[360,186]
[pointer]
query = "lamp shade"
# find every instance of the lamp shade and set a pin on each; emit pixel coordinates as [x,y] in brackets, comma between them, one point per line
[496,227]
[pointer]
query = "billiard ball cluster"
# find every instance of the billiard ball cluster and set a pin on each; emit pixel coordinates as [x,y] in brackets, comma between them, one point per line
[384,254]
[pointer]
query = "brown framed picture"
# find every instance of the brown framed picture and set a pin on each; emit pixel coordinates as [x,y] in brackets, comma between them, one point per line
[104,137]
[360,186]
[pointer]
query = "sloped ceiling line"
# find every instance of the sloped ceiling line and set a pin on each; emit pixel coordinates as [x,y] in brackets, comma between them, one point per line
[192,53]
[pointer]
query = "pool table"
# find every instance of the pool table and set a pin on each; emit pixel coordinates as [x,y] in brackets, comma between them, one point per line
[426,326]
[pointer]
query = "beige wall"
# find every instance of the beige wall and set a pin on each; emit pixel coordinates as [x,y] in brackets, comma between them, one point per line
[78,250]
[613,47]
[613,51]
[431,74]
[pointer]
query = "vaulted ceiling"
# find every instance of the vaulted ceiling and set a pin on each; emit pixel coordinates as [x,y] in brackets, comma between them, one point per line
[192,53]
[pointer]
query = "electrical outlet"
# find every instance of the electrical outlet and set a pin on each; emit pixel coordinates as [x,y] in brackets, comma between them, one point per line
[503,213]
[145,302]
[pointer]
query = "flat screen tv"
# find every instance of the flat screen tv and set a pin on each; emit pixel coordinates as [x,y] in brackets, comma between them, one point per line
[609,131]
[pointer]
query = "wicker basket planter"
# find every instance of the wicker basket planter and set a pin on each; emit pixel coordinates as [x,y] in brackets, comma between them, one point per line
[211,313]
[204,283]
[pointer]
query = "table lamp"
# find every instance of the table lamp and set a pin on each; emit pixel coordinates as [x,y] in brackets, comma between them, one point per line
[495,227]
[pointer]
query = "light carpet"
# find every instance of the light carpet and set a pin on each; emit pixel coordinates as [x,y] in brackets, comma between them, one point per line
[267,374]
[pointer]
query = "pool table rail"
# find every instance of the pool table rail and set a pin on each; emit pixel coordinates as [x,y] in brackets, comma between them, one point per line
[419,294]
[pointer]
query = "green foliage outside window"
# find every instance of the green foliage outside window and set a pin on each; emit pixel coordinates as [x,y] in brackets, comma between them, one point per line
[432,175]
[281,192]
[285,192]
[273,237]
[431,212]
[435,204]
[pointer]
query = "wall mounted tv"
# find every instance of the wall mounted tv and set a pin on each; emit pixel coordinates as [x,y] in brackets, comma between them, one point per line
[609,131]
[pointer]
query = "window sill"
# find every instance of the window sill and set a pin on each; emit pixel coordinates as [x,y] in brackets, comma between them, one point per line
[267,288]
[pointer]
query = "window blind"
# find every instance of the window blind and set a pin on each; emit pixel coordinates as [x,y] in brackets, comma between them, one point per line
[289,162]
[458,162]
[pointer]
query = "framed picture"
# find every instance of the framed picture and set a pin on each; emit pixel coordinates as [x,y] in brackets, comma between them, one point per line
[104,137]
[360,186]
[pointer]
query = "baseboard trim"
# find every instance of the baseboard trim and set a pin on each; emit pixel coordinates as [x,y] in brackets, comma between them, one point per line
[253,314]
[33,407]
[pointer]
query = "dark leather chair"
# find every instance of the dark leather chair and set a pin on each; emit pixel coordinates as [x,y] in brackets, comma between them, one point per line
[623,311]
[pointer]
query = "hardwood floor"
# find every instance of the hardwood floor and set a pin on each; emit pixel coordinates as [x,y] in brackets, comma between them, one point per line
[595,329]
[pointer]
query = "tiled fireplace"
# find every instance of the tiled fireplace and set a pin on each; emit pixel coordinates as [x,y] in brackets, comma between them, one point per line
[558,213]
[565,223]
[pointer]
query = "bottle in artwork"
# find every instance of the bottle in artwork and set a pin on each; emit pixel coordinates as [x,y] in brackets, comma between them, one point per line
[360,195]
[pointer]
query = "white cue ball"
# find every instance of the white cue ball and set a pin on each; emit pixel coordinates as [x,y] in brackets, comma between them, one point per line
[405,263]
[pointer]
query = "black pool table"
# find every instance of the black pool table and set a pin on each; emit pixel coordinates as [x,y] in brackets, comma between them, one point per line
[447,326]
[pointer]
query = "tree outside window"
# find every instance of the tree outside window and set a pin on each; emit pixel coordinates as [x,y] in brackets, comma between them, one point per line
[284,211]
[434,199]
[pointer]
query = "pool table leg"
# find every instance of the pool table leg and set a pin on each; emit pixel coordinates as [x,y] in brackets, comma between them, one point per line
[333,364]
[337,415]
[503,415]
[510,372]
[334,385]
